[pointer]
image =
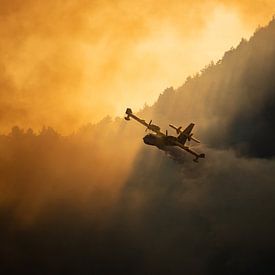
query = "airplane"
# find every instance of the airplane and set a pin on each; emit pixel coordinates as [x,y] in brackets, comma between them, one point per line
[162,140]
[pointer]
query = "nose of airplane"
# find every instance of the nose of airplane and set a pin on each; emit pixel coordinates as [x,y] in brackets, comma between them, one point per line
[148,139]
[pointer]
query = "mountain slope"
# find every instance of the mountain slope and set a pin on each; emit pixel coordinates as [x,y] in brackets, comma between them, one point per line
[233,101]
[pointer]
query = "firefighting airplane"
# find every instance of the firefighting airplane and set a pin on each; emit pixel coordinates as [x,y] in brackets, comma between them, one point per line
[162,140]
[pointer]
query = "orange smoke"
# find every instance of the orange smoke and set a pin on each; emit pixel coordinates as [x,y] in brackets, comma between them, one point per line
[67,63]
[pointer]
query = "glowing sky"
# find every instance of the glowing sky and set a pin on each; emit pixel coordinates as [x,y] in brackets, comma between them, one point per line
[65,63]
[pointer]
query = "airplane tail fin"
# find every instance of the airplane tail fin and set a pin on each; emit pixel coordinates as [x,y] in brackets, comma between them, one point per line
[185,134]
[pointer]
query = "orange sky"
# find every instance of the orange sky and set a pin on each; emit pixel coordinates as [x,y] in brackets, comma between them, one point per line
[65,63]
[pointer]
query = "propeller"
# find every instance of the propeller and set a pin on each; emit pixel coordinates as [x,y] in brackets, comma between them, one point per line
[148,125]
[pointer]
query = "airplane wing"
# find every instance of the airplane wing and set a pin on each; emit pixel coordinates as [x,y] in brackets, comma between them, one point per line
[194,153]
[191,151]
[186,133]
[150,126]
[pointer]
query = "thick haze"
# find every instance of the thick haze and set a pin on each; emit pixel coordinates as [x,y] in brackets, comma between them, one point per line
[97,200]
[65,63]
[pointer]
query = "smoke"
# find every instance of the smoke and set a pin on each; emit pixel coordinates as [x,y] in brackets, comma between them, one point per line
[37,170]
[64,64]
[93,202]
[254,11]
[211,218]
[208,218]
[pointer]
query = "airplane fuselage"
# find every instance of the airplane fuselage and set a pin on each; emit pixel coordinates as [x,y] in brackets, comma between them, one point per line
[160,141]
